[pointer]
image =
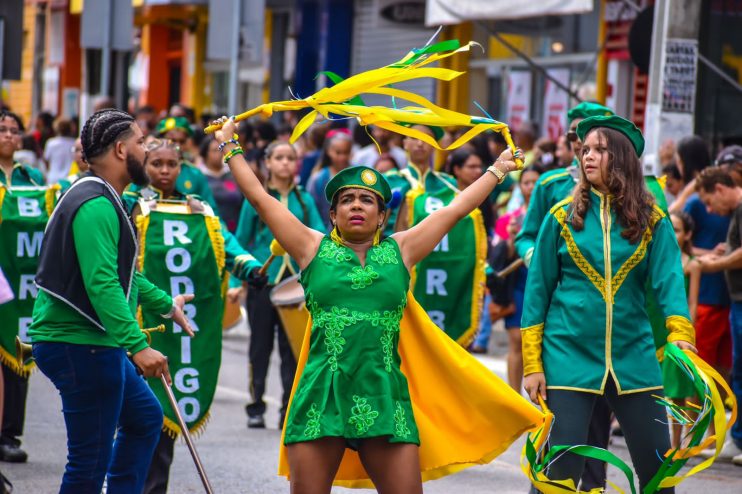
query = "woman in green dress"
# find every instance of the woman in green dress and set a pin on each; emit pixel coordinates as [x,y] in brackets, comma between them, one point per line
[352,392]
[585,331]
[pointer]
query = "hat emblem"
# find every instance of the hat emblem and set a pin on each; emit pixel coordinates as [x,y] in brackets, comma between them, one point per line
[368,177]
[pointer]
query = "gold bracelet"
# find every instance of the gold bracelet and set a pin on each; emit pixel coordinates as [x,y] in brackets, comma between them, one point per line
[499,174]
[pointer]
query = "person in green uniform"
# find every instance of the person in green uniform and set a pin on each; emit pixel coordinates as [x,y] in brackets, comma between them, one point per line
[555,185]
[352,392]
[254,234]
[84,318]
[16,386]
[552,187]
[191,180]
[14,174]
[420,156]
[162,165]
[605,243]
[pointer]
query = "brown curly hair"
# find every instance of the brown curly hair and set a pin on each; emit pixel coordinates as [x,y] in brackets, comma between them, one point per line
[632,202]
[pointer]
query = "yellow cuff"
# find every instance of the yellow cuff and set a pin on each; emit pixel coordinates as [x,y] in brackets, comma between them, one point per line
[531,339]
[680,329]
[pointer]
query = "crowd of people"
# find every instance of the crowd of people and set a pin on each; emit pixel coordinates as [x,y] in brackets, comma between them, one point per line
[580,216]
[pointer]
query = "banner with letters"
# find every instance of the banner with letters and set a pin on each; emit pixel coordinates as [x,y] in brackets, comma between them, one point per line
[184,253]
[449,282]
[24,212]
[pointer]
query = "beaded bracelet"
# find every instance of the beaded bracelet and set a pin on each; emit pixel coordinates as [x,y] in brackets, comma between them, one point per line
[233,140]
[234,152]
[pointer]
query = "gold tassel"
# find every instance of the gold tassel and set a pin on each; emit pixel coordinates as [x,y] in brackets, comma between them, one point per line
[3,189]
[142,225]
[377,236]
[51,198]
[214,227]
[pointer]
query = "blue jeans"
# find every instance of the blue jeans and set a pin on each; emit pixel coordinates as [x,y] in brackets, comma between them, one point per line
[102,397]
[735,316]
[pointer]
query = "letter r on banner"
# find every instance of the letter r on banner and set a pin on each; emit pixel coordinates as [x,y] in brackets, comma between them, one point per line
[435,279]
[175,229]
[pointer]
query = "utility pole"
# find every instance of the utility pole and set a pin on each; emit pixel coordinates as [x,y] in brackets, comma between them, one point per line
[105,69]
[234,56]
[673,74]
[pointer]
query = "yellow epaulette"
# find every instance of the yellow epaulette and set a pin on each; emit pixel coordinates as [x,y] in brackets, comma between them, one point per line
[560,204]
[554,177]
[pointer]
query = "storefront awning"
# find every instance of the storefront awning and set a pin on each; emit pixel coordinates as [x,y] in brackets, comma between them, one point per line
[440,12]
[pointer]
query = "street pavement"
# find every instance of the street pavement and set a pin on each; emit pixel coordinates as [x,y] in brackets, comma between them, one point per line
[241,460]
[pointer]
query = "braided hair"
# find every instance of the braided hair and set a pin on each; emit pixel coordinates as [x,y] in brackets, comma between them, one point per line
[103,129]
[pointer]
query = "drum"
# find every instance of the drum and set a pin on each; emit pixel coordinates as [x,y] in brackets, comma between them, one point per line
[288,299]
[232,315]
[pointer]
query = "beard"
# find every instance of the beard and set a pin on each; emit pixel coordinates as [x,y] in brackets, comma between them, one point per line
[135,169]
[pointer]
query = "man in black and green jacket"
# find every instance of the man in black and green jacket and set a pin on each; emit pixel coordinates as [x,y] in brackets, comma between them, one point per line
[84,323]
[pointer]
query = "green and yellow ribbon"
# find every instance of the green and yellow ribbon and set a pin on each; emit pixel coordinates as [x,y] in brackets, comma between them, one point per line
[343,99]
[537,455]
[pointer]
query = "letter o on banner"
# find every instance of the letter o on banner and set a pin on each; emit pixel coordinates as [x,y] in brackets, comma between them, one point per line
[189,408]
[178,260]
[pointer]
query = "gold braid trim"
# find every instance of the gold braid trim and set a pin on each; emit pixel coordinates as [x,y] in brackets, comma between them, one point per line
[587,269]
[214,227]
[639,253]
[553,177]
[3,190]
[410,198]
[531,343]
[480,277]
[51,198]
[142,225]
[11,362]
[172,429]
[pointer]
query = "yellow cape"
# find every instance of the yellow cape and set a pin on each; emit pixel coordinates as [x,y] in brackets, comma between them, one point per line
[465,414]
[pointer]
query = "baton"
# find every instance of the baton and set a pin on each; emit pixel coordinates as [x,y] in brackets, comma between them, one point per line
[187,436]
[276,251]
[510,268]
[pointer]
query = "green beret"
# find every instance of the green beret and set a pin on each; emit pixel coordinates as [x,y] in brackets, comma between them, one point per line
[438,132]
[588,109]
[359,177]
[172,123]
[626,127]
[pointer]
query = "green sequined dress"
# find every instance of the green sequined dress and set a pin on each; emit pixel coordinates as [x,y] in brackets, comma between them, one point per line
[352,385]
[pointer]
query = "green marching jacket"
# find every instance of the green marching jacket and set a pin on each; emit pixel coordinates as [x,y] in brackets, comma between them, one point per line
[585,319]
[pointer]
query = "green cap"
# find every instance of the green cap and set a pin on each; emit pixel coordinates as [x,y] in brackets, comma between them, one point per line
[626,127]
[359,177]
[588,109]
[438,132]
[171,123]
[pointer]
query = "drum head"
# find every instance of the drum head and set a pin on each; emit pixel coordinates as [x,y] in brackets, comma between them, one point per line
[288,292]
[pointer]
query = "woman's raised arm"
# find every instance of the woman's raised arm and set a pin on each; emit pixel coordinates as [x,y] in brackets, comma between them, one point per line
[299,241]
[420,240]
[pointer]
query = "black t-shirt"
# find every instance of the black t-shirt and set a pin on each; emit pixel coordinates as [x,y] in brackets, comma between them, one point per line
[734,240]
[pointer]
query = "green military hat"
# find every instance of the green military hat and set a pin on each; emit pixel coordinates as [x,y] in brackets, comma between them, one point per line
[171,123]
[588,109]
[438,132]
[359,177]
[626,127]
